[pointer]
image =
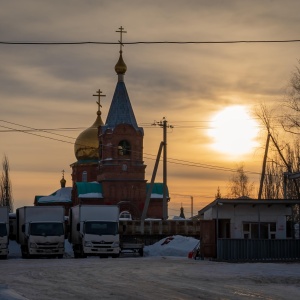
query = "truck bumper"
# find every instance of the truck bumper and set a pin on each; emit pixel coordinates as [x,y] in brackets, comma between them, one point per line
[101,250]
[38,251]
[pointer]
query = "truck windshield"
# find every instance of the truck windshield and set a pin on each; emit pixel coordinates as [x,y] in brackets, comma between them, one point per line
[46,229]
[101,228]
[3,231]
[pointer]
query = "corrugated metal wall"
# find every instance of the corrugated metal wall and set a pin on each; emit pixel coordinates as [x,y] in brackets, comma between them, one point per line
[258,250]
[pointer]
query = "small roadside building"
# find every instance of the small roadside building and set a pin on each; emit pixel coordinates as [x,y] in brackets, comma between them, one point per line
[254,229]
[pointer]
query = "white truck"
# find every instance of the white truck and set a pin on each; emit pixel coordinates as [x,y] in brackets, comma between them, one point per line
[4,231]
[94,230]
[41,231]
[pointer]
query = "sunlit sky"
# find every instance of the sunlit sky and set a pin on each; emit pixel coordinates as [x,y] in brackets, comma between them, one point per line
[194,86]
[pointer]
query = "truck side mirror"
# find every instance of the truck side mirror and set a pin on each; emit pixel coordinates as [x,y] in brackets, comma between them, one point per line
[78,227]
[23,228]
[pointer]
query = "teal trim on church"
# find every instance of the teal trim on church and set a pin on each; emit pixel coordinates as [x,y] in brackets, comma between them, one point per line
[88,188]
[157,189]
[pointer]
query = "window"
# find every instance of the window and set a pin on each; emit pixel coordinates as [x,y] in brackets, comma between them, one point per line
[124,148]
[259,230]
[84,176]
[3,231]
[101,228]
[46,229]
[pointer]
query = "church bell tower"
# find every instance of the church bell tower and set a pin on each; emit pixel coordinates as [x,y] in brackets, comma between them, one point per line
[121,165]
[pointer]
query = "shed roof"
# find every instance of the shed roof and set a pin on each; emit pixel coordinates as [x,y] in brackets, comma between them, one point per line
[247,201]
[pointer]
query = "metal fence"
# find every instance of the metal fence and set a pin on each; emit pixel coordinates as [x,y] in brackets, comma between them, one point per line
[258,250]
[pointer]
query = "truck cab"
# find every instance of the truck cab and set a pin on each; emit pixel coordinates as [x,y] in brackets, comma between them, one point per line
[41,231]
[44,238]
[94,230]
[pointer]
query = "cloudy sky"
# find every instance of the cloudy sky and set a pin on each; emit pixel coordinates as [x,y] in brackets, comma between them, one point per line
[51,86]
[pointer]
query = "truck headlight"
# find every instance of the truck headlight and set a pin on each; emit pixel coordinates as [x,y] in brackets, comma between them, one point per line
[61,245]
[32,245]
[115,244]
[88,244]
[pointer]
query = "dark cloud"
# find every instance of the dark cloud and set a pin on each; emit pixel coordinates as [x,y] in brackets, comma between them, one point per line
[50,86]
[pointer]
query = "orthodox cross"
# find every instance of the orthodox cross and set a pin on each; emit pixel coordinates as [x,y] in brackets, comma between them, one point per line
[63,173]
[121,30]
[98,94]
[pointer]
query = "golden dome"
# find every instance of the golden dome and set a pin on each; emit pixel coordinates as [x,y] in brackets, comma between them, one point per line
[120,67]
[86,145]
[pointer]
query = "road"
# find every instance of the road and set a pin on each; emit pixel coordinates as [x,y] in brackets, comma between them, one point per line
[134,277]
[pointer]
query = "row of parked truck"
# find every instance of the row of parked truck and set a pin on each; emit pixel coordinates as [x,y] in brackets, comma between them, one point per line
[41,231]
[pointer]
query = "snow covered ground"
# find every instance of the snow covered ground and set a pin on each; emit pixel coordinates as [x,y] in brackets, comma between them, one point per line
[165,272]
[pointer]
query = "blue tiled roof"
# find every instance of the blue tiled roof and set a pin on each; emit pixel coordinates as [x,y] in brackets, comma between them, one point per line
[121,111]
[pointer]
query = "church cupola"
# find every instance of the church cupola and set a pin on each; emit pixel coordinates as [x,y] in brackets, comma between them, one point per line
[86,145]
[86,149]
[121,111]
[63,180]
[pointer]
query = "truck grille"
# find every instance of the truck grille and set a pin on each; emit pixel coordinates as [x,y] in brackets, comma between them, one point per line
[102,244]
[47,246]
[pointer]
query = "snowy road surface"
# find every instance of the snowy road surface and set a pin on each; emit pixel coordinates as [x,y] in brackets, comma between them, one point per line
[152,277]
[146,278]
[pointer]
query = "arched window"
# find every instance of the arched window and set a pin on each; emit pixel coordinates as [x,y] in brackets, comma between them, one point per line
[84,176]
[124,148]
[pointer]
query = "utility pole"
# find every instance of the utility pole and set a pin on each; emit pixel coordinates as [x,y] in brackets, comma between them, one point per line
[148,196]
[164,125]
[264,167]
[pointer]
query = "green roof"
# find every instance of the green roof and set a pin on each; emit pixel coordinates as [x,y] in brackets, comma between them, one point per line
[84,188]
[157,188]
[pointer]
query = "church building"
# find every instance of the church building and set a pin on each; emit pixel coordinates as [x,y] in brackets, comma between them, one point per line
[110,169]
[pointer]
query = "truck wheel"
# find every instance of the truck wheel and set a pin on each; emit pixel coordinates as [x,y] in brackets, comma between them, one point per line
[3,256]
[25,252]
[141,252]
[82,254]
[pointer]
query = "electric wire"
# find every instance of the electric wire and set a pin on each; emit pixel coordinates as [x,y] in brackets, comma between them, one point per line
[146,155]
[149,42]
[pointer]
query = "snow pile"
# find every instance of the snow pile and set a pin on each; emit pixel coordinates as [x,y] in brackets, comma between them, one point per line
[61,195]
[176,245]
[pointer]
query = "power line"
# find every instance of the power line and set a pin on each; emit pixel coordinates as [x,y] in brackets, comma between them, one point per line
[146,155]
[34,129]
[149,42]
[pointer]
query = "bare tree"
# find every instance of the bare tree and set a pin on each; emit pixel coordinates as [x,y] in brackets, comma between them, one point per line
[218,195]
[5,186]
[272,187]
[239,185]
[283,158]
[291,119]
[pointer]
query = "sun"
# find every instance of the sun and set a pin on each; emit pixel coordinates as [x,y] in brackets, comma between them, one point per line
[234,131]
